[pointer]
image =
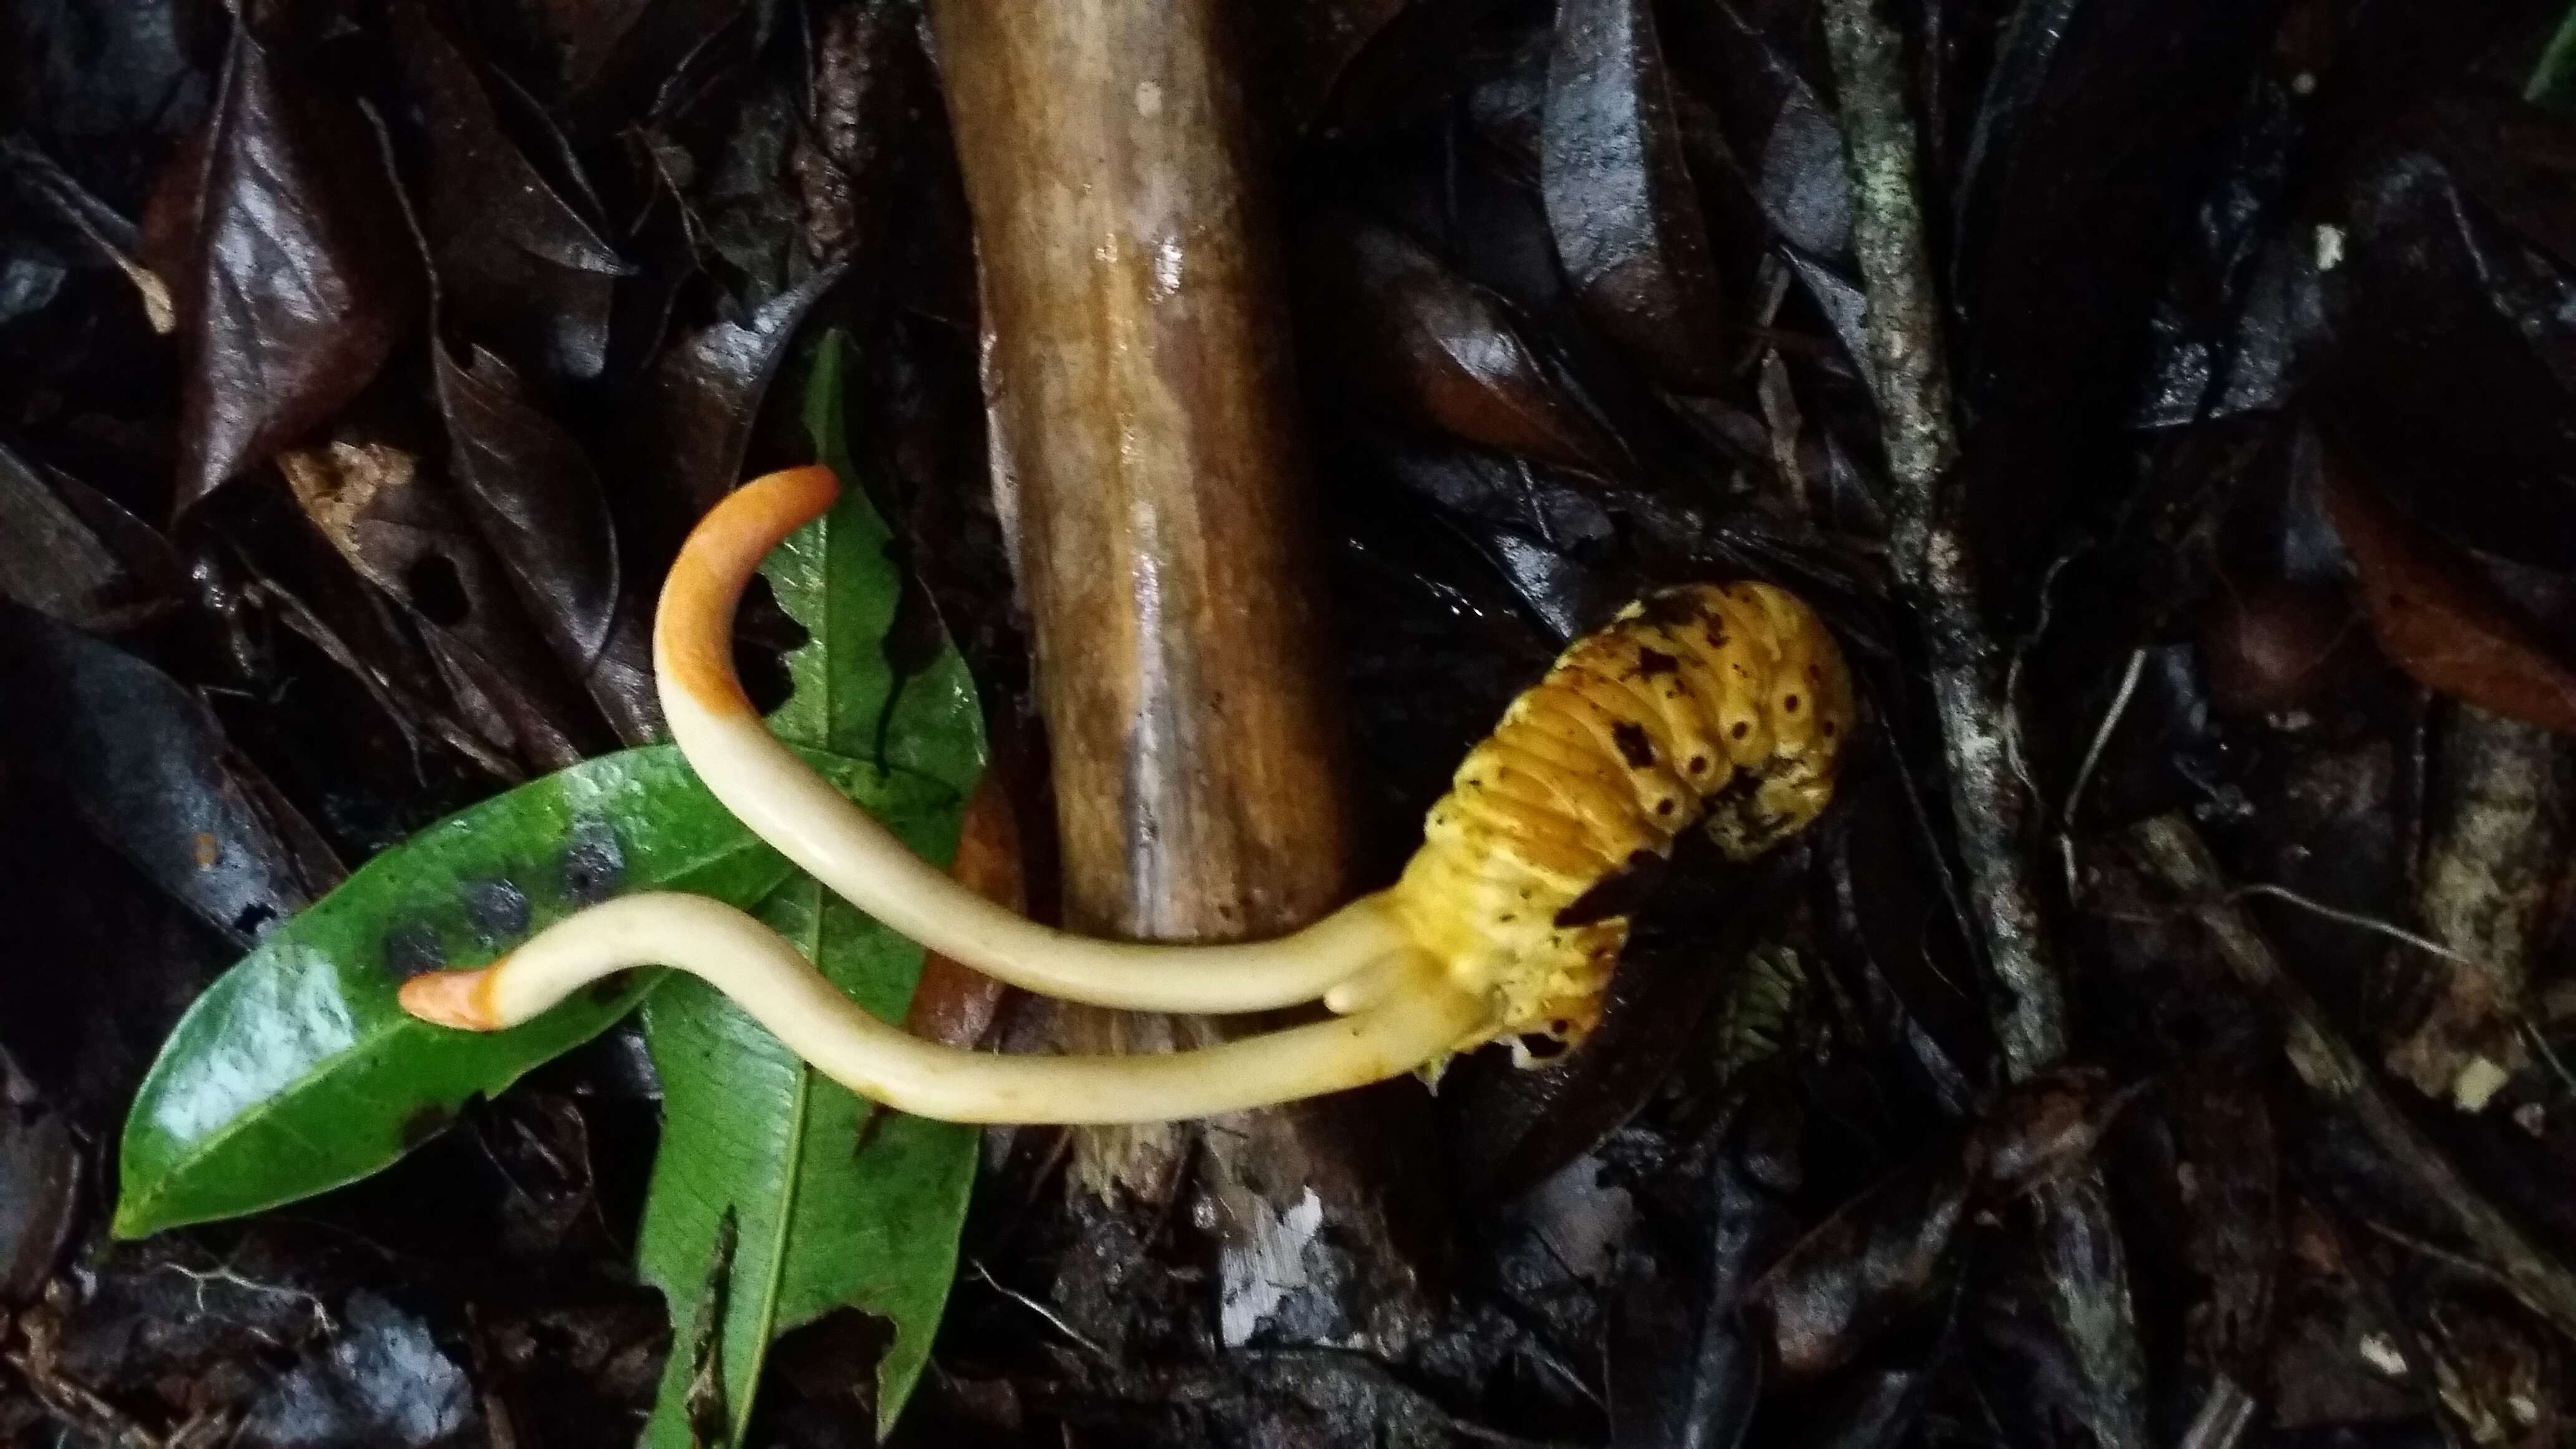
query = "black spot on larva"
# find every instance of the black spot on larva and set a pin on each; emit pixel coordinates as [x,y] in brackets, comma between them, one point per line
[1634,745]
[1546,1046]
[1715,633]
[1663,807]
[1651,662]
[423,1124]
[1505,919]
[1698,764]
[1619,893]
[593,863]
[1742,728]
[498,910]
[1829,729]
[413,949]
[1671,609]
[1789,704]
[1816,673]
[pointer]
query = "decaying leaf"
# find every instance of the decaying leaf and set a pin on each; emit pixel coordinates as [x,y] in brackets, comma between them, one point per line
[1884,1254]
[1430,347]
[2436,619]
[300,280]
[1620,197]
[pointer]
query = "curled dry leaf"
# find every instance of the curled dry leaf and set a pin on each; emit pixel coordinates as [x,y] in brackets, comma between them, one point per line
[535,499]
[300,280]
[1620,198]
[371,500]
[70,553]
[2436,619]
[146,767]
[517,265]
[706,392]
[1883,1255]
[2453,318]
[1427,345]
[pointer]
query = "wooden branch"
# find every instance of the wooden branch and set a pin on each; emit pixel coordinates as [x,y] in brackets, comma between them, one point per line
[1991,807]
[1147,457]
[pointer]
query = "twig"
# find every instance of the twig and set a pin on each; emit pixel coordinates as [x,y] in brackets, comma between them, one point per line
[1992,808]
[2223,1418]
[1978,722]
[2092,759]
[2172,851]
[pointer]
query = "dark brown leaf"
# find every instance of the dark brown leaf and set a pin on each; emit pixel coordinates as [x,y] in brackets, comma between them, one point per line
[2453,320]
[531,492]
[1620,198]
[2099,124]
[2436,619]
[40,1175]
[405,536]
[518,268]
[706,394]
[1883,1255]
[301,279]
[1426,345]
[147,769]
[70,553]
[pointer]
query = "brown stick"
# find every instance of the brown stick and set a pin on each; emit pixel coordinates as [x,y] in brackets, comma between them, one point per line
[1991,807]
[1144,420]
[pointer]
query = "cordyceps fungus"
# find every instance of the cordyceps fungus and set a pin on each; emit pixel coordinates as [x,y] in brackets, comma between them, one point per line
[1727,705]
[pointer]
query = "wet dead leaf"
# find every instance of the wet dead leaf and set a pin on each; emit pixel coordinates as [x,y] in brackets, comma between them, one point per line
[300,279]
[2436,619]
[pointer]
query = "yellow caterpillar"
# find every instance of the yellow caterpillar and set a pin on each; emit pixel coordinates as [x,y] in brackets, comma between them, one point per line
[1724,703]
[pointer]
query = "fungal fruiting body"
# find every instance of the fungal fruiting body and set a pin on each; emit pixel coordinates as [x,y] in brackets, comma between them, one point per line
[1724,704]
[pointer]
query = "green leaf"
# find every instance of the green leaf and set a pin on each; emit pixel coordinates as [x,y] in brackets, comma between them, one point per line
[777,1196]
[297,1071]
[839,577]
[2552,83]
[837,1202]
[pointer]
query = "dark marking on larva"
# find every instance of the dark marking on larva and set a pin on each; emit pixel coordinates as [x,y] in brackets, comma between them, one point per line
[1634,745]
[1698,765]
[1664,807]
[1742,728]
[1816,673]
[1828,729]
[1789,704]
[1651,662]
[1671,608]
[1619,893]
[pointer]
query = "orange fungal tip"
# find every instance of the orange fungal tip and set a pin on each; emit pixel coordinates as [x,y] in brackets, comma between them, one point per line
[451,998]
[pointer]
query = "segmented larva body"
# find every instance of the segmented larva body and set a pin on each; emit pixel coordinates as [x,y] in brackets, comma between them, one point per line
[1727,704]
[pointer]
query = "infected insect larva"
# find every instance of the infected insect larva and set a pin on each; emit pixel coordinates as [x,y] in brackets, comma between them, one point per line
[1724,705]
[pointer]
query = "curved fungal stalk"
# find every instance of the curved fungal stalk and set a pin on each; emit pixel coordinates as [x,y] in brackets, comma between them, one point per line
[1723,705]
[786,803]
[766,976]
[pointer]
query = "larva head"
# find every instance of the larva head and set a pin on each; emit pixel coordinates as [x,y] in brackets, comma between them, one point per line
[1808,703]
